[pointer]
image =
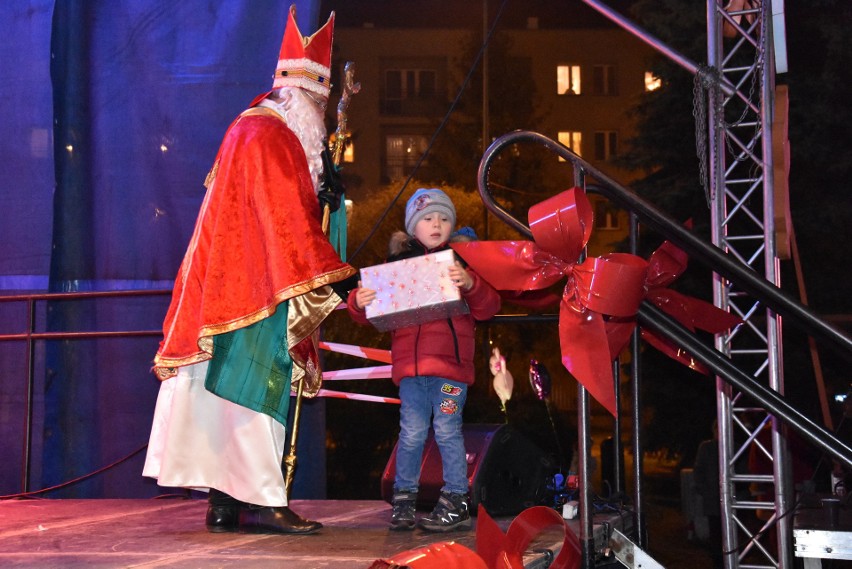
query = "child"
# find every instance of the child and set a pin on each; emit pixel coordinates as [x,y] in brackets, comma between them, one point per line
[433,366]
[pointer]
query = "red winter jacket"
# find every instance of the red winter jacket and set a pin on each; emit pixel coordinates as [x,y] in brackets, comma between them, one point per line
[443,348]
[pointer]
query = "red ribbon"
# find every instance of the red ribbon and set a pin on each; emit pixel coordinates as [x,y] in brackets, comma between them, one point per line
[494,549]
[505,551]
[602,294]
[598,291]
[667,263]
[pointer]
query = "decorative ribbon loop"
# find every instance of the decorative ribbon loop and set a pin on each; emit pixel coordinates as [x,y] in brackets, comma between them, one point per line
[611,284]
[505,551]
[667,263]
[562,225]
[531,268]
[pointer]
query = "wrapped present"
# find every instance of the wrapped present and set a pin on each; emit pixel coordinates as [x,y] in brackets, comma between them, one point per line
[412,291]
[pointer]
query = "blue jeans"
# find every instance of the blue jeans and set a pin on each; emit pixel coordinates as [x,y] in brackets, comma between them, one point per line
[429,399]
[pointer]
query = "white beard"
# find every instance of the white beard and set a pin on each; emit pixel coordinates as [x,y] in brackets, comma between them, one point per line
[306,120]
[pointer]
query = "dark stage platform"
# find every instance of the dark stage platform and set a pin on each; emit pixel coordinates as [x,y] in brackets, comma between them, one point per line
[170,533]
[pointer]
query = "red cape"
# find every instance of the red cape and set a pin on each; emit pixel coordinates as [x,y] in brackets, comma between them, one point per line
[257,241]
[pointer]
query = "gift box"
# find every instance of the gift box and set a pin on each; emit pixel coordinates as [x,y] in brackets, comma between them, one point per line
[412,291]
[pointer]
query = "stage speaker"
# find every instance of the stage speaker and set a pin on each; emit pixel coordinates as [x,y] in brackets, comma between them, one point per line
[506,472]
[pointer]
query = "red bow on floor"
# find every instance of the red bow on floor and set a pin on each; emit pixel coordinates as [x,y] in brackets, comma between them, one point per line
[505,551]
[494,549]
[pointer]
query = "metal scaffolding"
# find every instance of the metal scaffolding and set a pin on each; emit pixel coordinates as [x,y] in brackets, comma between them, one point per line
[734,111]
[740,54]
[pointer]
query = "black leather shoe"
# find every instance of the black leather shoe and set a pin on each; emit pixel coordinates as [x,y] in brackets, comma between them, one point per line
[222,518]
[268,519]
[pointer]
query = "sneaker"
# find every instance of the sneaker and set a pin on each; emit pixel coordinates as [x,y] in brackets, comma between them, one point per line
[451,512]
[404,504]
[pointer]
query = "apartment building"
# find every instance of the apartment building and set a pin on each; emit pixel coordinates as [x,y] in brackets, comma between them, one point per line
[584,83]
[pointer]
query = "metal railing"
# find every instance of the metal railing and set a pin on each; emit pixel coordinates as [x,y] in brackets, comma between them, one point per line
[30,336]
[653,318]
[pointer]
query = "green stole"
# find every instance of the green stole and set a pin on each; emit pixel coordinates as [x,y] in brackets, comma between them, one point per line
[252,366]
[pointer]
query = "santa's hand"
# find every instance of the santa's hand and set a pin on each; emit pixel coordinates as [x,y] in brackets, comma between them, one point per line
[332,183]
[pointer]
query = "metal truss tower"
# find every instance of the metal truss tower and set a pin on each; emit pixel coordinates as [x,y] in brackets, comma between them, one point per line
[740,83]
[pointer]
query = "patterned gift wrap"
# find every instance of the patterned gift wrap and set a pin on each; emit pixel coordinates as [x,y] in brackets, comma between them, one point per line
[412,291]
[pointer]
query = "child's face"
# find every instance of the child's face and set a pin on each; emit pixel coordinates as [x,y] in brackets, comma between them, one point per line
[433,229]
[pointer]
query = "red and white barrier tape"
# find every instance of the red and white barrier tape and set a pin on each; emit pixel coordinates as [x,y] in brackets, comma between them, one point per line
[356,396]
[376,354]
[371,372]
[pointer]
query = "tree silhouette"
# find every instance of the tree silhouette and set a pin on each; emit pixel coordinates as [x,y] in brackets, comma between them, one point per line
[821,141]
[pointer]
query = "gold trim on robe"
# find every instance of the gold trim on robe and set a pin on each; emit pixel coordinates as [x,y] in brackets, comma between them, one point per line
[257,243]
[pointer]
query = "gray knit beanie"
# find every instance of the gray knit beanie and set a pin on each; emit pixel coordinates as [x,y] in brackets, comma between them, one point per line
[425,201]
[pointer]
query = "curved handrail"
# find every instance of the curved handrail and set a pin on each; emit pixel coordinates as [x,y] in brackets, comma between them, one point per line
[708,255]
[716,260]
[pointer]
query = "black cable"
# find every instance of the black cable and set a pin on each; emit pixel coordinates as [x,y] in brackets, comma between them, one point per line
[76,480]
[440,128]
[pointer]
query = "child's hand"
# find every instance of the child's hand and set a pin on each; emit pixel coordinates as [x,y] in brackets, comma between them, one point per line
[460,277]
[364,297]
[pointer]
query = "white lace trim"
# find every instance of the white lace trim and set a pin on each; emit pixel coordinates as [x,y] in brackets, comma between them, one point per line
[321,84]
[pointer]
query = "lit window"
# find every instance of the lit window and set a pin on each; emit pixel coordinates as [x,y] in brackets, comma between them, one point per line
[606,144]
[652,82]
[603,80]
[402,153]
[568,80]
[573,139]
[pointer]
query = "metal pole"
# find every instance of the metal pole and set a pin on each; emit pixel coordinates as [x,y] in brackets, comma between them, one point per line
[486,135]
[485,110]
[772,271]
[724,405]
[726,445]
[617,450]
[645,36]
[584,447]
[636,385]
[28,400]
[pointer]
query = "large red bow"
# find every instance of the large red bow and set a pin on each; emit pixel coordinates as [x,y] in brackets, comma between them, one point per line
[600,300]
[599,293]
[667,263]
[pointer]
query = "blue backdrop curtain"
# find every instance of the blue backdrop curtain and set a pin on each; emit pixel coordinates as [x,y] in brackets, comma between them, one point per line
[119,108]
[26,191]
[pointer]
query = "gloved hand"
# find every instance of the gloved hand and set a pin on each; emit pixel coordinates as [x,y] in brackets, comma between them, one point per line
[332,183]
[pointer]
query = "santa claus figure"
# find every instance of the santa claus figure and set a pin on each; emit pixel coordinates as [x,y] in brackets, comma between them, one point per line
[248,299]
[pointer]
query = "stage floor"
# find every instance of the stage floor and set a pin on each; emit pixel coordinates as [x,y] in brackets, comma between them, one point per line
[170,533]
